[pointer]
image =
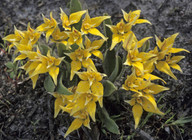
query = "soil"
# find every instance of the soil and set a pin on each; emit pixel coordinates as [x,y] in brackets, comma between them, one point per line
[27,114]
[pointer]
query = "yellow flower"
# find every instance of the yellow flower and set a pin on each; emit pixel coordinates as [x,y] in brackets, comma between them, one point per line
[136,58]
[165,51]
[94,46]
[120,32]
[166,47]
[80,57]
[131,41]
[140,85]
[75,37]
[140,102]
[48,26]
[61,100]
[59,37]
[31,35]
[81,118]
[133,17]
[89,25]
[38,64]
[14,38]
[72,19]
[91,84]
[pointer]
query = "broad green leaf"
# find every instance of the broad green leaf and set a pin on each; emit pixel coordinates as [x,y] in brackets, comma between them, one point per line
[9,65]
[49,84]
[117,69]
[109,88]
[61,48]
[44,49]
[107,31]
[61,89]
[109,124]
[75,6]
[108,62]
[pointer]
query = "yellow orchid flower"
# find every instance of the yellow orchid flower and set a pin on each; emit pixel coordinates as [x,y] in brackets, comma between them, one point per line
[136,58]
[75,37]
[148,67]
[31,35]
[89,25]
[72,19]
[59,37]
[80,58]
[14,38]
[140,85]
[61,100]
[140,102]
[38,64]
[120,32]
[166,47]
[91,84]
[48,26]
[131,41]
[133,17]
[94,47]
[81,118]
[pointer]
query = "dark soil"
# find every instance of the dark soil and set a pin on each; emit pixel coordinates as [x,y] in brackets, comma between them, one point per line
[27,114]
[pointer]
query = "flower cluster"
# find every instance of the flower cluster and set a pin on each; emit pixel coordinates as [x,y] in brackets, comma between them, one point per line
[74,47]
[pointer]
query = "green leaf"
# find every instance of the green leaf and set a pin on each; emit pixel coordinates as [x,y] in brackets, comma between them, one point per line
[107,31]
[61,89]
[12,75]
[10,65]
[183,120]
[44,49]
[109,88]
[75,6]
[117,69]
[49,84]
[146,46]
[61,48]
[108,123]
[108,62]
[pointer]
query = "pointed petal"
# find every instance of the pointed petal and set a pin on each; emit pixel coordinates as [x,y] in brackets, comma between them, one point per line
[115,39]
[164,67]
[20,57]
[75,66]
[53,72]
[76,124]
[98,54]
[83,87]
[176,50]
[86,122]
[97,20]
[157,88]
[91,108]
[150,107]
[96,32]
[48,33]
[58,102]
[137,113]
[142,41]
[177,67]
[75,17]
[97,89]
[139,21]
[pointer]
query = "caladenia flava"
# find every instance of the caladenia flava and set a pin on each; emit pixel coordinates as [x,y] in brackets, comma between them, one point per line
[70,62]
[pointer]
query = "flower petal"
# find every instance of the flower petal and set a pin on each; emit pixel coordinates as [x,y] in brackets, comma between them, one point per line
[164,67]
[137,113]
[76,124]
